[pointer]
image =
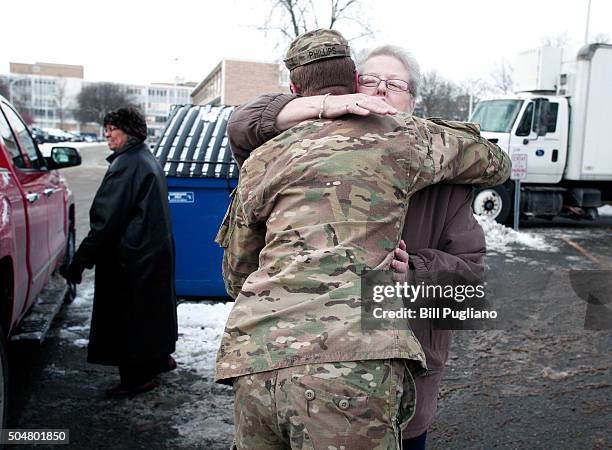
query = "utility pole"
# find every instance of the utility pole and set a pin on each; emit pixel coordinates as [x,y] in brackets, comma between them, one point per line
[588,19]
[471,105]
[176,78]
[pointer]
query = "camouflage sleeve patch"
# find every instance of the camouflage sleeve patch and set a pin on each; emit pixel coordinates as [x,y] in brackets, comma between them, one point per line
[462,156]
[223,235]
[241,244]
[467,127]
[254,184]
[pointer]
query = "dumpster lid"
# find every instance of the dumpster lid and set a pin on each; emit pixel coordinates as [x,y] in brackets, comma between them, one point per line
[194,143]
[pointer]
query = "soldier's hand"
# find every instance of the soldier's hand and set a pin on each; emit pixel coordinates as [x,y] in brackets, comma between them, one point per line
[399,265]
[359,104]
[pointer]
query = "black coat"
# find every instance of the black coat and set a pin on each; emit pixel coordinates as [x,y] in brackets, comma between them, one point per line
[130,243]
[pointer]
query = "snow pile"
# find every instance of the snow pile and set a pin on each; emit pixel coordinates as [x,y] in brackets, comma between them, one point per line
[84,298]
[605,210]
[200,326]
[76,335]
[502,239]
[83,343]
[79,310]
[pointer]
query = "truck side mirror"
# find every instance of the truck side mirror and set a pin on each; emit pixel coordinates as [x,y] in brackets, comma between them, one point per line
[541,116]
[62,157]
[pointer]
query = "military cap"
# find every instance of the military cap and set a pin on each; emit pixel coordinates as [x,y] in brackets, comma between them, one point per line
[315,45]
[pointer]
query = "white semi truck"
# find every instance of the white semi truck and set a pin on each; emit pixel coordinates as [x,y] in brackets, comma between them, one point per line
[561,119]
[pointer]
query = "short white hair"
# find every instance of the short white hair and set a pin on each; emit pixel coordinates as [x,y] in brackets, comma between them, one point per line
[403,56]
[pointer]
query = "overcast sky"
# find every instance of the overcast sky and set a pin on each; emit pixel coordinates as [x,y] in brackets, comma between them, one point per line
[155,41]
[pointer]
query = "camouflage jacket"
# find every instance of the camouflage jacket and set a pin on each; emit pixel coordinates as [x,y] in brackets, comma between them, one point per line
[314,209]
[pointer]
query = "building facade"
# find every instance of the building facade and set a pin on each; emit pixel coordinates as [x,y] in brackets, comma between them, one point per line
[233,82]
[46,95]
[156,101]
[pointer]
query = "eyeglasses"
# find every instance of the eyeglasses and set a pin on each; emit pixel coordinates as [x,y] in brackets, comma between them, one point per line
[110,130]
[373,81]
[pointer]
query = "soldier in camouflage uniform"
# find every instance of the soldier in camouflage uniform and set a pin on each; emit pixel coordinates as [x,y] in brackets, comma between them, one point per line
[315,209]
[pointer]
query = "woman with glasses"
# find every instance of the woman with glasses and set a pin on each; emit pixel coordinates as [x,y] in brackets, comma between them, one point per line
[440,232]
[133,323]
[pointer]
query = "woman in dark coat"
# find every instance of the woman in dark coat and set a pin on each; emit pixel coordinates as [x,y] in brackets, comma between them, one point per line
[133,324]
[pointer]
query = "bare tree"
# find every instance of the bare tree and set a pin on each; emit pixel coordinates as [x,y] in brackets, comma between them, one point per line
[477,87]
[502,77]
[440,97]
[290,18]
[4,88]
[473,90]
[95,100]
[61,100]
[443,98]
[559,40]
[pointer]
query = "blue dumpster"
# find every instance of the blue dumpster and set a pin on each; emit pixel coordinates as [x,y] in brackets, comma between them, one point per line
[201,174]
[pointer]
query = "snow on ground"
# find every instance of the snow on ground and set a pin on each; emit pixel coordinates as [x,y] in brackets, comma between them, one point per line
[84,297]
[200,328]
[79,310]
[502,239]
[83,343]
[605,210]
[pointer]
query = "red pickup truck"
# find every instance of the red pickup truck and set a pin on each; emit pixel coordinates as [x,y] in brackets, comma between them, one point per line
[37,233]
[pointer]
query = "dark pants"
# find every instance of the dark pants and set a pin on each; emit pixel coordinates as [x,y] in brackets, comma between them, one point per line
[133,375]
[416,443]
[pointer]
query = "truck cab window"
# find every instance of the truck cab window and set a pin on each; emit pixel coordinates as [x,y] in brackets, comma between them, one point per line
[10,143]
[551,120]
[496,116]
[23,135]
[524,128]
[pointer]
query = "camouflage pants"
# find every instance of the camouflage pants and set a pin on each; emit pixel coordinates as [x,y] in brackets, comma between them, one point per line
[333,406]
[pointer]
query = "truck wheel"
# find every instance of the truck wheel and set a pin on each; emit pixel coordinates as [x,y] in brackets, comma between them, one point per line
[4,381]
[494,203]
[70,251]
